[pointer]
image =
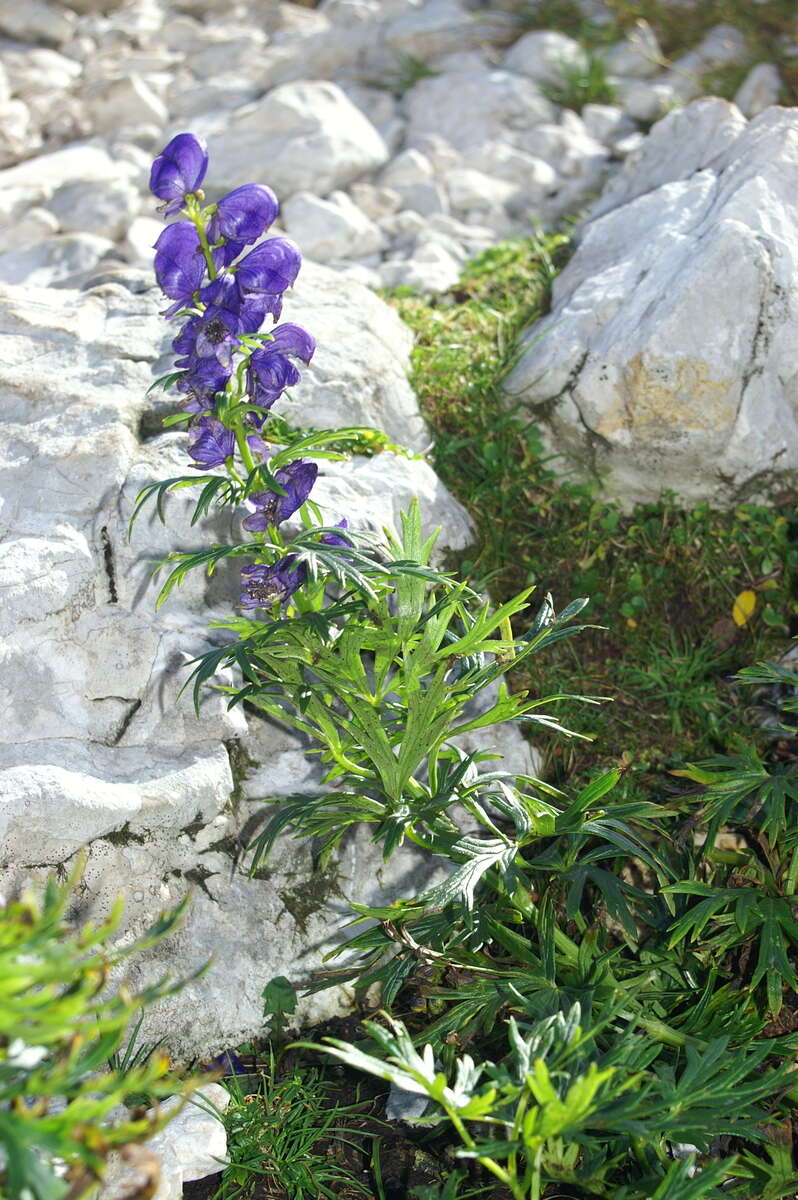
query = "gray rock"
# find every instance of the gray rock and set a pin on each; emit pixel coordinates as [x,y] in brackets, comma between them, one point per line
[638,55]
[108,757]
[759,90]
[472,191]
[192,1146]
[680,145]
[17,137]
[491,106]
[106,209]
[330,229]
[339,144]
[542,56]
[441,27]
[431,268]
[36,21]
[64,261]
[125,101]
[650,99]
[673,364]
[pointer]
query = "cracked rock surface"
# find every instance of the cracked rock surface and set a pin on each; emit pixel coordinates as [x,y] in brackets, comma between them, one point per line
[669,359]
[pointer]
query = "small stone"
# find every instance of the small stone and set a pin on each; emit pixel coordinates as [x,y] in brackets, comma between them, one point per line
[473,191]
[37,22]
[760,89]
[542,56]
[140,238]
[123,102]
[102,208]
[606,122]
[376,202]
[638,55]
[55,262]
[648,100]
[329,229]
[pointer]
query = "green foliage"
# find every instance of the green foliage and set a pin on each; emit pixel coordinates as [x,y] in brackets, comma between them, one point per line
[280,1136]
[279,1002]
[409,70]
[769,28]
[62,1066]
[584,82]
[558,1109]
[661,579]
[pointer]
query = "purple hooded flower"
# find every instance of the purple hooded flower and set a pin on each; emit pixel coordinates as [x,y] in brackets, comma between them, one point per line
[179,169]
[270,370]
[204,378]
[211,442]
[297,479]
[263,586]
[271,267]
[244,214]
[179,262]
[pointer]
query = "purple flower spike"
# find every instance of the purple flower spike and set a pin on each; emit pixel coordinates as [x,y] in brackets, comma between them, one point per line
[203,379]
[271,267]
[244,214]
[211,442]
[179,263]
[270,370]
[297,479]
[179,168]
[263,586]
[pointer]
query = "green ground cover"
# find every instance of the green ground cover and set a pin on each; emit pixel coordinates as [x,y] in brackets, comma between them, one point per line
[770,30]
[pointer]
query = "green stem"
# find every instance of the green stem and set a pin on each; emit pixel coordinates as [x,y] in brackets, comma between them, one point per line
[195,214]
[243,448]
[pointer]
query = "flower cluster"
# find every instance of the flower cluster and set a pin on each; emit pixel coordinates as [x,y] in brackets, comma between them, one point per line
[224,281]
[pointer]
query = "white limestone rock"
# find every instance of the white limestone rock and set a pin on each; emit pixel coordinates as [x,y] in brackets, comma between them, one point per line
[412,177]
[301,137]
[106,209]
[191,1146]
[541,57]
[491,106]
[678,146]
[430,269]
[648,100]
[33,70]
[472,191]
[64,261]
[376,202]
[37,22]
[17,137]
[123,102]
[673,365]
[759,90]
[95,748]
[637,55]
[330,229]
[440,27]
[607,123]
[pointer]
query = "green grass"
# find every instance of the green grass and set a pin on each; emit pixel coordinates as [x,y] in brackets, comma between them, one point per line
[767,28]
[289,1138]
[662,580]
[583,83]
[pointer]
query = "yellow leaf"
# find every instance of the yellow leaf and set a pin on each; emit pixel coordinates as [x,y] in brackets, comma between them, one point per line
[744,607]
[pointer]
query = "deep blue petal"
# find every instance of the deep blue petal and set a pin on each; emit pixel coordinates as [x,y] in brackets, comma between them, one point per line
[244,214]
[270,267]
